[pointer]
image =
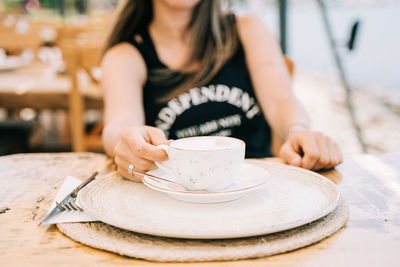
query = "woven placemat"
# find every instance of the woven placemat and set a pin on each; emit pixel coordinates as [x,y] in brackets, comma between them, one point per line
[163,249]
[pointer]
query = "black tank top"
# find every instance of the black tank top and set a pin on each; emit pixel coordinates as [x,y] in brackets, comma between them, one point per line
[226,105]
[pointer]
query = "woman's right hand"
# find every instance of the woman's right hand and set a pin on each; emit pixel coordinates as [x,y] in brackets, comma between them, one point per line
[137,146]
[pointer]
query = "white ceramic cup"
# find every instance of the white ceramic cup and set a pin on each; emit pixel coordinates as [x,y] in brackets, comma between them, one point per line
[208,163]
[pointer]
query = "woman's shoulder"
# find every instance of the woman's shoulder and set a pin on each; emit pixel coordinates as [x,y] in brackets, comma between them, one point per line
[247,19]
[251,29]
[124,55]
[122,51]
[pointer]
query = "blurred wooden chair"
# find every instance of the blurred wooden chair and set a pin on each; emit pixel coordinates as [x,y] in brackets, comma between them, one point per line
[83,55]
[276,143]
[82,50]
[81,47]
[15,132]
[289,65]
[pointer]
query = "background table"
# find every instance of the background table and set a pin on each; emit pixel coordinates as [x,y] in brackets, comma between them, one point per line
[35,86]
[29,183]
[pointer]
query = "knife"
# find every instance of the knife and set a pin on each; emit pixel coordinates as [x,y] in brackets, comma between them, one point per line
[57,209]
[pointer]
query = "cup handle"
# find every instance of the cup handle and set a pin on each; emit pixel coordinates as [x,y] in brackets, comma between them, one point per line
[164,165]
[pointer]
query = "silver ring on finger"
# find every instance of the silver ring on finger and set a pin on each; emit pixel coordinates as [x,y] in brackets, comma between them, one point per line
[130,169]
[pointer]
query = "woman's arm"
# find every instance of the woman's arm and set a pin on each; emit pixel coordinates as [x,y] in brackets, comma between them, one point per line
[125,137]
[283,111]
[124,73]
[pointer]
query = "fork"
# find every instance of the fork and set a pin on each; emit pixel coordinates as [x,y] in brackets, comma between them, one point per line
[69,205]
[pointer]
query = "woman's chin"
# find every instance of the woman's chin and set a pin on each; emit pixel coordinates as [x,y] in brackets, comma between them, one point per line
[179,4]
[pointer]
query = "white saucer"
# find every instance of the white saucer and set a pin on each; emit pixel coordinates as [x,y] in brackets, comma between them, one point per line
[250,178]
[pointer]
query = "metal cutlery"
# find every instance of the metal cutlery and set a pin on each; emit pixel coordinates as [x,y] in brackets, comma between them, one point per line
[68,203]
[154,177]
[69,206]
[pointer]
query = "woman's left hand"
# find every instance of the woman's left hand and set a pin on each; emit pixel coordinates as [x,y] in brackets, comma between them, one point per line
[311,150]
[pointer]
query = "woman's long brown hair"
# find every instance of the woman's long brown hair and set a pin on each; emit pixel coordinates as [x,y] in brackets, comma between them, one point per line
[211,34]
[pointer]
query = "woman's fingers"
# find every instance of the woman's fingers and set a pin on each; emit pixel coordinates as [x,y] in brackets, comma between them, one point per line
[310,149]
[157,136]
[122,168]
[139,146]
[141,165]
[134,177]
[335,154]
[339,158]
[289,154]
[144,150]
[316,150]
[325,156]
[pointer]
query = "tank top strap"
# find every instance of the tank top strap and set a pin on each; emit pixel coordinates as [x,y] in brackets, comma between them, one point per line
[145,45]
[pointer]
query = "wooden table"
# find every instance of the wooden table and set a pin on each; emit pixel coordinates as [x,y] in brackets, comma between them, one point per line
[28,183]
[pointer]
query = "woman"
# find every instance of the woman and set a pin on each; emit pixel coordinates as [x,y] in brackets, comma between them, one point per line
[179,68]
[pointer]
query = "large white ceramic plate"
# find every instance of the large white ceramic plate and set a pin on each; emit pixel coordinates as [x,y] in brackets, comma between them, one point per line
[250,178]
[293,197]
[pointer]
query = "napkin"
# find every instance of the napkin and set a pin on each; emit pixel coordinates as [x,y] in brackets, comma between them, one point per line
[70,183]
